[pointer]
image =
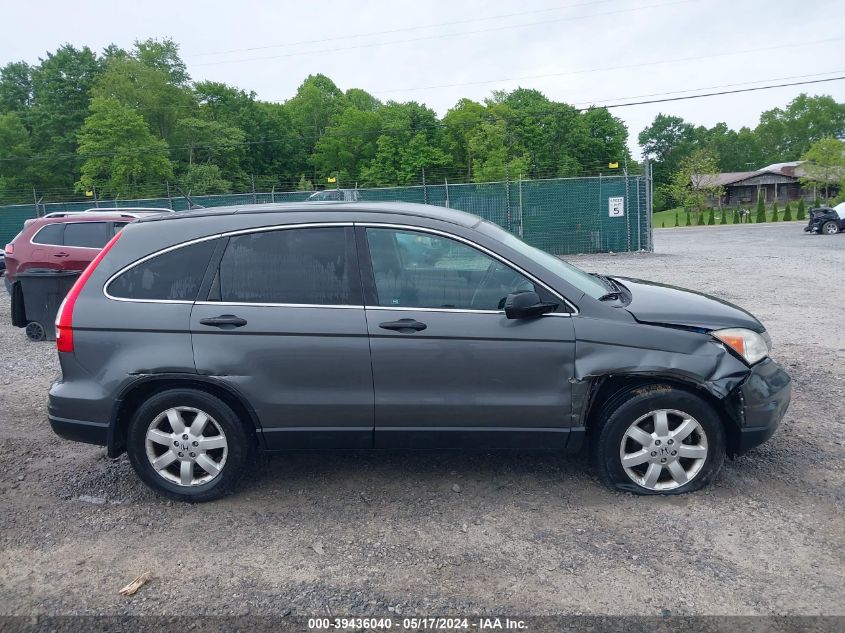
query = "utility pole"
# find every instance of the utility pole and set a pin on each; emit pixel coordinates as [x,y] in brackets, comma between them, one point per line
[169,198]
[96,202]
[35,198]
[446,180]
[425,189]
[252,179]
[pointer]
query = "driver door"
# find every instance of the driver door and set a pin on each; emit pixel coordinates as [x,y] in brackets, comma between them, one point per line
[449,369]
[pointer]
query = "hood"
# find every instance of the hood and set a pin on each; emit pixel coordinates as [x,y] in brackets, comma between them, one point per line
[658,303]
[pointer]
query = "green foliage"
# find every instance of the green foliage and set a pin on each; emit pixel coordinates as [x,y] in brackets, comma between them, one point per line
[736,219]
[801,214]
[701,221]
[694,183]
[824,166]
[775,212]
[787,213]
[119,151]
[724,218]
[203,179]
[304,185]
[761,208]
[711,219]
[688,222]
[676,218]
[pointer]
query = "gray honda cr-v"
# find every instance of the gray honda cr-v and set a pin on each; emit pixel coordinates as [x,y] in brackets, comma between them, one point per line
[195,339]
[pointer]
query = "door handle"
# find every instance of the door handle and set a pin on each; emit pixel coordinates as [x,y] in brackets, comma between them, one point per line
[405,326]
[60,255]
[224,321]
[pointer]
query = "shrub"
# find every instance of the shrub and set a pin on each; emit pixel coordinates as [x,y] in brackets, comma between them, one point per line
[801,214]
[663,224]
[688,220]
[724,219]
[761,210]
[787,213]
[775,212]
[736,216]
[700,219]
[676,218]
[712,219]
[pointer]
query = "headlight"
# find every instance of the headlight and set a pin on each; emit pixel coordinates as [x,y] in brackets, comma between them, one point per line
[750,345]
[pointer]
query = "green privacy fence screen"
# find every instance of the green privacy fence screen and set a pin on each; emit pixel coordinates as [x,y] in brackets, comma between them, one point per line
[562,215]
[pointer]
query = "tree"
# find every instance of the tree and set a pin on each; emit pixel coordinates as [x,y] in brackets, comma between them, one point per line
[119,151]
[724,218]
[711,219]
[15,149]
[787,213]
[348,143]
[15,87]
[695,181]
[801,214]
[200,142]
[775,212]
[761,208]
[667,142]
[163,55]
[204,179]
[824,165]
[786,134]
[148,90]
[736,218]
[676,218]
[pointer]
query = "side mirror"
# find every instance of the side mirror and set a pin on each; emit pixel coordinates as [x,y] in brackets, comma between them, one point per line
[526,305]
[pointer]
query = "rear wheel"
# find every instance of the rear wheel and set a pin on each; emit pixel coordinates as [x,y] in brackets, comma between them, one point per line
[188,445]
[830,228]
[658,440]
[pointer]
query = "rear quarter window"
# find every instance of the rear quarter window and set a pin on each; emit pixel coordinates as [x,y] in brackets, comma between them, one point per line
[175,275]
[50,234]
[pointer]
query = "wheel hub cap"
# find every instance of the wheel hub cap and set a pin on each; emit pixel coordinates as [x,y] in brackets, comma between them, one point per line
[663,450]
[186,446]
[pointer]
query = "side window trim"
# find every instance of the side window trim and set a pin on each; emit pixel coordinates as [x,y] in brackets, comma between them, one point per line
[368,276]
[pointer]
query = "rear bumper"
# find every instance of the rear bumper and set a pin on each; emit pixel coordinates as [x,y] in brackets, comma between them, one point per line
[80,431]
[763,399]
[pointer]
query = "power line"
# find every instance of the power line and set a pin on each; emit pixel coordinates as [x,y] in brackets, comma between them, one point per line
[444,35]
[399,30]
[608,68]
[438,124]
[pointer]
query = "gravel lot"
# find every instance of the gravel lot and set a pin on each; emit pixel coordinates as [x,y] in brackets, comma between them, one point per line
[362,533]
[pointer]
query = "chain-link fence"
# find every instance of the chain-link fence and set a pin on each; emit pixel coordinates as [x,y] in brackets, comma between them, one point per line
[561,215]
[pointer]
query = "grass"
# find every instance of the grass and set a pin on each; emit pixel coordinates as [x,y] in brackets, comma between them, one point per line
[667,218]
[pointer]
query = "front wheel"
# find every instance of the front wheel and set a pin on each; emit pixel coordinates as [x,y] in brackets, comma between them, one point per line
[188,445]
[830,228]
[658,440]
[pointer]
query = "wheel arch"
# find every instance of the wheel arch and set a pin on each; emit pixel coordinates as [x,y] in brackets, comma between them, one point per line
[142,388]
[604,391]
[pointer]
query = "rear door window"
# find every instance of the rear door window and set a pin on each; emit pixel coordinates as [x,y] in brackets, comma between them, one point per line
[294,266]
[50,234]
[87,234]
[175,275]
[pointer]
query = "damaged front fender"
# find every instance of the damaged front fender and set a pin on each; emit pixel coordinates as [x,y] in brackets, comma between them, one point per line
[611,349]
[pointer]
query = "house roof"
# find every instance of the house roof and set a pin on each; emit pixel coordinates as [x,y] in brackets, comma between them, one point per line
[788,170]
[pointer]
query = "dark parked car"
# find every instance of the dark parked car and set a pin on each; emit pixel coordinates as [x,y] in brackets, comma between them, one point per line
[192,340]
[827,220]
[65,242]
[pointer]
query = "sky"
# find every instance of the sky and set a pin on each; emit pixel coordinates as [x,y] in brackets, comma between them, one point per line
[580,52]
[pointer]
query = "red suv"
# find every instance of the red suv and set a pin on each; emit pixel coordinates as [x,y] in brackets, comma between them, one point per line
[60,243]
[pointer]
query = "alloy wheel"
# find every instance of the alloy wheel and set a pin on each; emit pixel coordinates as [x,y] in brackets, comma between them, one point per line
[186,446]
[663,450]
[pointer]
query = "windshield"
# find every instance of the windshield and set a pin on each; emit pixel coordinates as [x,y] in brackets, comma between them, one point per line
[585,282]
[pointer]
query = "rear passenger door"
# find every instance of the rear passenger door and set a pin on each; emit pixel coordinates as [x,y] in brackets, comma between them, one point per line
[283,323]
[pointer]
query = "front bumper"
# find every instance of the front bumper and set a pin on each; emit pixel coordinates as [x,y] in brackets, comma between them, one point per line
[761,402]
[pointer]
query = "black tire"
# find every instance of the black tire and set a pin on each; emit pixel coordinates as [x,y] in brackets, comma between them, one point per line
[830,228]
[241,445]
[623,410]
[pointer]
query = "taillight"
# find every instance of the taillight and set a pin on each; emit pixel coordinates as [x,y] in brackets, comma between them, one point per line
[10,249]
[64,319]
